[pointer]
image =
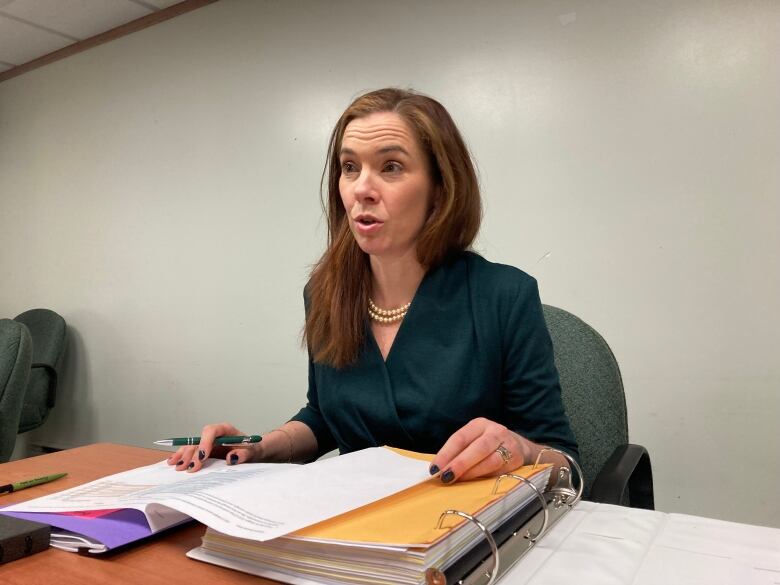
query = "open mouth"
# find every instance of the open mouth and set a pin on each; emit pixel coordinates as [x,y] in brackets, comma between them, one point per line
[366,220]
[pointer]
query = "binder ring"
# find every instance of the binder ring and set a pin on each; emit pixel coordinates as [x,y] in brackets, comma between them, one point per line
[565,492]
[546,514]
[489,537]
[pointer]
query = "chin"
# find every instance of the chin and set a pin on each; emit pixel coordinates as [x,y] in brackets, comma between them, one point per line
[368,245]
[371,250]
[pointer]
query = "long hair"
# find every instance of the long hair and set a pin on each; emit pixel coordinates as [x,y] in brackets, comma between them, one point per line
[340,282]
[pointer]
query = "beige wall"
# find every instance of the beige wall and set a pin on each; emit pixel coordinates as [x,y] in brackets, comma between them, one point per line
[160,192]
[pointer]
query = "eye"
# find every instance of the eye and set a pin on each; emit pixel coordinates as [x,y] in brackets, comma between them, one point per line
[392,167]
[348,167]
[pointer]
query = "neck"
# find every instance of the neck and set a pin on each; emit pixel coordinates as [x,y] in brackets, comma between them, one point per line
[395,280]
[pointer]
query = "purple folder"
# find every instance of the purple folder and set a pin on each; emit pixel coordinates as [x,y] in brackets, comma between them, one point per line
[113,529]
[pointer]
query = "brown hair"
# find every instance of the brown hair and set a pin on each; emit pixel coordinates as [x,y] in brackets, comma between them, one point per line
[340,282]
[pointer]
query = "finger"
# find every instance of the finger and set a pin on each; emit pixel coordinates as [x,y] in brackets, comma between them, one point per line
[175,457]
[238,456]
[493,464]
[478,452]
[185,455]
[206,445]
[459,441]
[509,454]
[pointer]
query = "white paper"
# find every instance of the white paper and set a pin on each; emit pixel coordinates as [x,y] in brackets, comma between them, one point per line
[259,501]
[604,545]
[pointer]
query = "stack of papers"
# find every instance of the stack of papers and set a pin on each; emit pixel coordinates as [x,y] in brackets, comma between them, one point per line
[257,501]
[391,541]
[371,516]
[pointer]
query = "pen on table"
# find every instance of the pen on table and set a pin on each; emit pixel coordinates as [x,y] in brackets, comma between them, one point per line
[236,441]
[20,485]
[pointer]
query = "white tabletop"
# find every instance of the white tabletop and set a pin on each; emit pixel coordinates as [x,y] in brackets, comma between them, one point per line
[599,544]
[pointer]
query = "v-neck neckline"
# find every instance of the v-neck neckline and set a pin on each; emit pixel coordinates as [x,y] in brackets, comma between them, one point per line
[409,314]
[378,349]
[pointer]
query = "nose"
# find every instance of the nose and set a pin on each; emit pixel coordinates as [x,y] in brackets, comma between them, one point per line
[365,187]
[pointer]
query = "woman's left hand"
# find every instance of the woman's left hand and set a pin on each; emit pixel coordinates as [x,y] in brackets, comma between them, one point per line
[481,448]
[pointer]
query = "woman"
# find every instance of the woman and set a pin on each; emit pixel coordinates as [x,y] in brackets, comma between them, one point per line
[414,341]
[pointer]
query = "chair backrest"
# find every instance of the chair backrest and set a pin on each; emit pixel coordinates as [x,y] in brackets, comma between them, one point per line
[591,387]
[48,332]
[15,358]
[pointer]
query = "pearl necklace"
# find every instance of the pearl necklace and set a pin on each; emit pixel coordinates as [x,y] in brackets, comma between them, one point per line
[387,315]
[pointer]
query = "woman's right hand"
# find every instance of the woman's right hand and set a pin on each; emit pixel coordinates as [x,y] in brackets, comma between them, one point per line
[191,457]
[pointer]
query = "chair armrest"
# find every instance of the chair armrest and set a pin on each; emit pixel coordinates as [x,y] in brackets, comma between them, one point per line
[52,395]
[628,468]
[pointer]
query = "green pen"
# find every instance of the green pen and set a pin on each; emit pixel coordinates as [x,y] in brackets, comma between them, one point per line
[226,440]
[20,485]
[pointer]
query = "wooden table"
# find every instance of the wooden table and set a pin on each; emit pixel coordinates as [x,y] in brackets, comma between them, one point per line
[159,560]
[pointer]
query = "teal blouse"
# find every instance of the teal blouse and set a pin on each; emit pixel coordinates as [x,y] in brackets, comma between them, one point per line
[473,344]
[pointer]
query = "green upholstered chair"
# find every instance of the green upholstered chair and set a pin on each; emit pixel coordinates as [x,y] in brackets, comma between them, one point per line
[48,332]
[615,471]
[16,353]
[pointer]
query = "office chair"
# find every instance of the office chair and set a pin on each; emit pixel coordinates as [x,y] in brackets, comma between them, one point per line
[616,472]
[48,332]
[16,353]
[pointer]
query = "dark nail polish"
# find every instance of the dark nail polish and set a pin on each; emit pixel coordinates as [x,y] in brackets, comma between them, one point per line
[201,454]
[447,476]
[180,462]
[233,459]
[191,465]
[434,469]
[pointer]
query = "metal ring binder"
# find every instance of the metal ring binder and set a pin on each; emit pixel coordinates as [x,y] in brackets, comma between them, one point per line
[566,491]
[546,514]
[519,539]
[436,577]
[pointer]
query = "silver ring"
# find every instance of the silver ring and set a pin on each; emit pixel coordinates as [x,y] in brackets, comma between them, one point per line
[505,453]
[489,537]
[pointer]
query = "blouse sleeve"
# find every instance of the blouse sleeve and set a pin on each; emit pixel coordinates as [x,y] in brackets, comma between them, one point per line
[532,392]
[311,416]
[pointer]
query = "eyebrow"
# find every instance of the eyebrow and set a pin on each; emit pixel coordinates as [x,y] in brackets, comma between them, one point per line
[383,150]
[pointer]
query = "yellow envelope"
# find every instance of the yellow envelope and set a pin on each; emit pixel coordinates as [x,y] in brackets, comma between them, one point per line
[411,517]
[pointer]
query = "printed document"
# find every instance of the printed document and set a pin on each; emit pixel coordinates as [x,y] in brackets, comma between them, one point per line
[258,501]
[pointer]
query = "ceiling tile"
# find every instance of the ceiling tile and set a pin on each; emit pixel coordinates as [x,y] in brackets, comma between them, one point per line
[20,43]
[77,18]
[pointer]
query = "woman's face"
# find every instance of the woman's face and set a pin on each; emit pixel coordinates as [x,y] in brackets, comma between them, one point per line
[385,184]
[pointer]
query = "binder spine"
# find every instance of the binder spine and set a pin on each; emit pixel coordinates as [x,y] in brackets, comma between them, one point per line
[436,577]
[545,514]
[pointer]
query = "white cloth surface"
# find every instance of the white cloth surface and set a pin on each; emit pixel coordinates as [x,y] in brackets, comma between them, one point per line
[599,544]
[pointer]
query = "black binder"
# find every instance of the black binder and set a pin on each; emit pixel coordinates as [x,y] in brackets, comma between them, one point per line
[490,559]
[20,538]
